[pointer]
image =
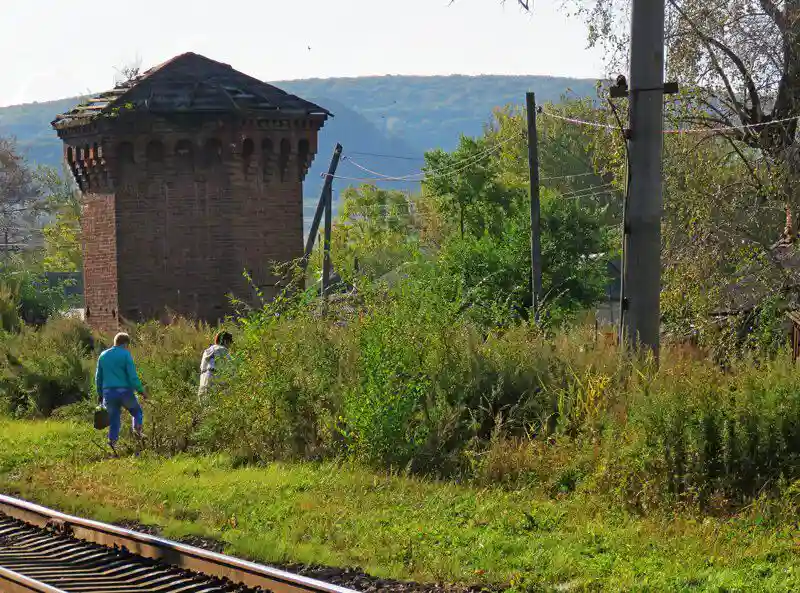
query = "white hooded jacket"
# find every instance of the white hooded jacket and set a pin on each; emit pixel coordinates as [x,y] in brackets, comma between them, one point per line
[208,364]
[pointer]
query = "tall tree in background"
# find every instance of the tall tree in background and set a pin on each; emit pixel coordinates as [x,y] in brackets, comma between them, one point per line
[18,196]
[741,61]
[62,233]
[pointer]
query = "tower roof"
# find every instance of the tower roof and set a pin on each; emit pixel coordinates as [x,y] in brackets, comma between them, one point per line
[190,83]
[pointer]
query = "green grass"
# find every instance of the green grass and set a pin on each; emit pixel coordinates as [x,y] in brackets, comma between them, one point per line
[397,526]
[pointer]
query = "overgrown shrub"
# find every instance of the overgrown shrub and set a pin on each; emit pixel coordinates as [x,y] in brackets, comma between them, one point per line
[279,397]
[719,438]
[26,294]
[168,359]
[400,379]
[42,369]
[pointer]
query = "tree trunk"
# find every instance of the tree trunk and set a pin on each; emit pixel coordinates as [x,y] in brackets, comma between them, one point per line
[788,235]
[792,161]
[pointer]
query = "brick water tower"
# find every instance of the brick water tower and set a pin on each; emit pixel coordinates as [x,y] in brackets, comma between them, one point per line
[191,175]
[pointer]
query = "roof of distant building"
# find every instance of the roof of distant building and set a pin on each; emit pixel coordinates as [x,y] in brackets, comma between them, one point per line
[190,83]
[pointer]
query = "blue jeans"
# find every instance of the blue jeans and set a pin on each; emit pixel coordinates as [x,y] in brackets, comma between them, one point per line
[114,399]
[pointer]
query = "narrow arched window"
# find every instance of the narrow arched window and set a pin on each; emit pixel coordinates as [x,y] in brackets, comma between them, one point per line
[154,153]
[184,154]
[248,150]
[283,158]
[267,158]
[212,153]
[303,150]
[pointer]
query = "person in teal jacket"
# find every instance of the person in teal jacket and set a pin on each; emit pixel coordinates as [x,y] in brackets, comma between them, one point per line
[117,384]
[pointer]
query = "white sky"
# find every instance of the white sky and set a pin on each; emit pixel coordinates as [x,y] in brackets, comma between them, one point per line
[59,48]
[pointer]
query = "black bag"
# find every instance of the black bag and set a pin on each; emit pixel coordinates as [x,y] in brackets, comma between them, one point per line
[101,420]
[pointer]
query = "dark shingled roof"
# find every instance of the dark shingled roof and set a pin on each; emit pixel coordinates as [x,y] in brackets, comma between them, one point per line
[191,83]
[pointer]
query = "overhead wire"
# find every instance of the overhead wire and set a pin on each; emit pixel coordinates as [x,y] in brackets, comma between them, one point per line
[385,179]
[596,124]
[442,171]
[588,190]
[387,156]
[568,176]
[590,195]
[420,176]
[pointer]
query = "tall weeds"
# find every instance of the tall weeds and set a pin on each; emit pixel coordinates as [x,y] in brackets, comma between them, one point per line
[402,381]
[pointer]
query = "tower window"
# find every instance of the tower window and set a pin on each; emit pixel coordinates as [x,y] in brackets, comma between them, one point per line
[283,159]
[212,153]
[303,150]
[155,152]
[267,156]
[248,148]
[184,154]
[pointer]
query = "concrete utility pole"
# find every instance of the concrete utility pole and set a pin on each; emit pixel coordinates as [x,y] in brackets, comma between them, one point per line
[641,283]
[533,166]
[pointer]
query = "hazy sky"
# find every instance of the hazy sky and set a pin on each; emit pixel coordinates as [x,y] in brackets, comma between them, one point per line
[60,48]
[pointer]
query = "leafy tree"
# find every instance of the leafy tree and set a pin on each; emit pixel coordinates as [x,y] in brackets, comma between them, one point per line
[62,251]
[25,294]
[472,224]
[740,63]
[375,232]
[19,195]
[467,186]
[495,269]
[482,188]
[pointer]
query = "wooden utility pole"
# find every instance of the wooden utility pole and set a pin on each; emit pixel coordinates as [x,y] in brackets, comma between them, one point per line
[533,166]
[326,245]
[641,282]
[326,187]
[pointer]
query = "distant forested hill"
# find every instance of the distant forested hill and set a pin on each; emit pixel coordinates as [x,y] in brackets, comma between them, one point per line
[431,111]
[391,115]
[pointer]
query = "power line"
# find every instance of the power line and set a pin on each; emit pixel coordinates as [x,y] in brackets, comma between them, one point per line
[596,124]
[587,190]
[369,179]
[388,156]
[588,196]
[579,122]
[442,171]
[569,176]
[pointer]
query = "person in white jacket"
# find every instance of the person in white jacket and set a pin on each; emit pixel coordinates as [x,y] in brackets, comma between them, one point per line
[208,364]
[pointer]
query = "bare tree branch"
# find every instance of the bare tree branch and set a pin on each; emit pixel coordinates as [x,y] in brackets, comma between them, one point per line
[775,14]
[710,42]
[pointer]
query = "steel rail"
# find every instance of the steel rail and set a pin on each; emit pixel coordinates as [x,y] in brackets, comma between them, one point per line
[13,582]
[124,559]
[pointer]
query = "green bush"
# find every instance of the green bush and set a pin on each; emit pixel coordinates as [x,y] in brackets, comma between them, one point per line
[42,369]
[26,294]
[168,360]
[400,379]
[719,439]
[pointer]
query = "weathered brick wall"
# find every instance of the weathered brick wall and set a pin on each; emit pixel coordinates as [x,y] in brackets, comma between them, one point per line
[194,207]
[98,230]
[267,221]
[192,222]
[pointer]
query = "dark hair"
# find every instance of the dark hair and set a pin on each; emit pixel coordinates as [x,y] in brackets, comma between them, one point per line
[223,338]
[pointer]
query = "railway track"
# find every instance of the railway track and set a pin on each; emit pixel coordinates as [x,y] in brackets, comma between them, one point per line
[45,551]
